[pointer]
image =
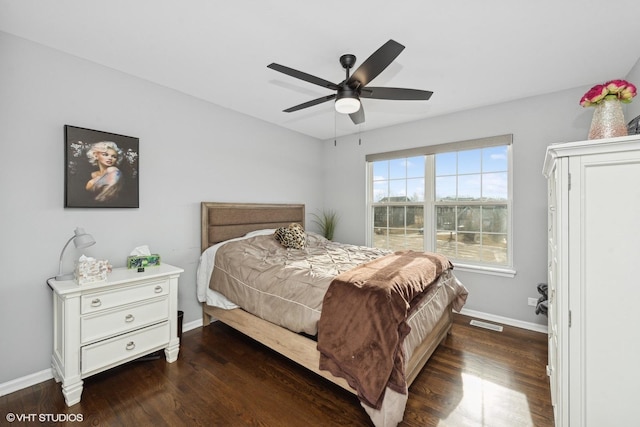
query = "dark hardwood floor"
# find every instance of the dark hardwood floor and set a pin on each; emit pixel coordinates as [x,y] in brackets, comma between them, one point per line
[477,377]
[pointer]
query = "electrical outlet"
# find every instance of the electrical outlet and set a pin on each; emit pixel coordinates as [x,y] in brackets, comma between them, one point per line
[532,302]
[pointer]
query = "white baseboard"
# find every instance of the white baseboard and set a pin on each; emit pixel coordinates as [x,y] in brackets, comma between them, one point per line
[191,325]
[506,321]
[26,381]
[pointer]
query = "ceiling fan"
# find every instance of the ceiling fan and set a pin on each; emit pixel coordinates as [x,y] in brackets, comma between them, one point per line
[354,87]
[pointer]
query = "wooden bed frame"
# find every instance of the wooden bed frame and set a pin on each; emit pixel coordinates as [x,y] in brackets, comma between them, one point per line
[223,221]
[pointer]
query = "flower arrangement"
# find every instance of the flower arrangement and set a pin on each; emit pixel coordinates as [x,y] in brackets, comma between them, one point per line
[621,90]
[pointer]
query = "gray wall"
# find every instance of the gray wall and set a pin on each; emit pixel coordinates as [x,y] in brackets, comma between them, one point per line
[190,151]
[535,123]
[633,109]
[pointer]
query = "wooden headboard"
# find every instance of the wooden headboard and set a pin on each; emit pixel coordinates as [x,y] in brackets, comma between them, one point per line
[224,221]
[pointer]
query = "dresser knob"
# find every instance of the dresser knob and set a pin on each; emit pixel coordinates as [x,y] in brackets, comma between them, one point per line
[96,302]
[131,345]
[129,318]
[158,289]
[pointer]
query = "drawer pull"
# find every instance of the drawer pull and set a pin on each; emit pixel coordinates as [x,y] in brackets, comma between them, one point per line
[158,289]
[129,318]
[131,345]
[96,302]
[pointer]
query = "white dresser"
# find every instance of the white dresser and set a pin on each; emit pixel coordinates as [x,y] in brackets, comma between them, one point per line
[99,326]
[594,289]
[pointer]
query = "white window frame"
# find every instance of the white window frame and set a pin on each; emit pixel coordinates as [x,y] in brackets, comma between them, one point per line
[430,203]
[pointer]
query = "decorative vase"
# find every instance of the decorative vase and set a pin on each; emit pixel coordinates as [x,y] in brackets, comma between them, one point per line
[608,120]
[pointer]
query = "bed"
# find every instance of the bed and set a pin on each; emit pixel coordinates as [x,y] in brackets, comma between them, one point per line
[226,222]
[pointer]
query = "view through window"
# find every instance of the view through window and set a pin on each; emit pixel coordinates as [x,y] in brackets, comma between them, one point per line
[452,202]
[398,203]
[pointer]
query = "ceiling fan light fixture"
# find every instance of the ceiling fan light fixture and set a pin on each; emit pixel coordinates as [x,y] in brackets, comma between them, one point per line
[347,104]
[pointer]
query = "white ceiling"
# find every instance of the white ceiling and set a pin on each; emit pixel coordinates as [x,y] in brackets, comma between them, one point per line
[470,53]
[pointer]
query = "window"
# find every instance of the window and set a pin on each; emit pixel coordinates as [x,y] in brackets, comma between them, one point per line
[453,199]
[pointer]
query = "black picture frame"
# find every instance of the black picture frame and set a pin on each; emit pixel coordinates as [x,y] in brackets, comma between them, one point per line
[101,169]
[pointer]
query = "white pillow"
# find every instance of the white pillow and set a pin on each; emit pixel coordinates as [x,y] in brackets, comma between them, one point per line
[264,232]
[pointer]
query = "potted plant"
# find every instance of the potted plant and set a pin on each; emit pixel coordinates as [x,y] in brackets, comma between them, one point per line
[327,222]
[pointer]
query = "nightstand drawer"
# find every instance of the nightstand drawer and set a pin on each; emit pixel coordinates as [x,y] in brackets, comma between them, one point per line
[107,353]
[116,297]
[102,325]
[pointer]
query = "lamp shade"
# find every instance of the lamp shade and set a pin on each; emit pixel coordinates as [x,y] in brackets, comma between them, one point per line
[80,240]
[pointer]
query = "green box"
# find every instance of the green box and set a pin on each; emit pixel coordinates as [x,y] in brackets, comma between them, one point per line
[143,261]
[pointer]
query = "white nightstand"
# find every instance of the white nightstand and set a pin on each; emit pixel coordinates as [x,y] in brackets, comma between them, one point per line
[99,326]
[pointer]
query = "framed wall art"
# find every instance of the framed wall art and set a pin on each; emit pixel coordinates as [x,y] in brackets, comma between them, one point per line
[101,169]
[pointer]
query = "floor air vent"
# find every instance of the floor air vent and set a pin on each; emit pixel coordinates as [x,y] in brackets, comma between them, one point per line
[486,325]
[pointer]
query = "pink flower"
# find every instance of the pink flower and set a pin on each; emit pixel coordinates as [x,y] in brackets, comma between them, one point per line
[615,86]
[613,89]
[594,95]
[627,93]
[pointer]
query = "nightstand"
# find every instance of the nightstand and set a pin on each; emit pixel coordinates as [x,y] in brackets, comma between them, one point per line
[101,325]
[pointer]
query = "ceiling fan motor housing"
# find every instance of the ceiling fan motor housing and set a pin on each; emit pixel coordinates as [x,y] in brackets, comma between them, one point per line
[347,92]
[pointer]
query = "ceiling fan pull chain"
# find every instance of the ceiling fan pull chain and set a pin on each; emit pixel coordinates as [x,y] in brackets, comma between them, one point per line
[335,132]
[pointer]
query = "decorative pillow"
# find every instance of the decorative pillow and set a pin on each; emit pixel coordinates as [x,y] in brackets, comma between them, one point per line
[292,236]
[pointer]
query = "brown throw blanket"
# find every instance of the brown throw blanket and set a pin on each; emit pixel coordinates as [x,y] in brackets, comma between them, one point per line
[363,321]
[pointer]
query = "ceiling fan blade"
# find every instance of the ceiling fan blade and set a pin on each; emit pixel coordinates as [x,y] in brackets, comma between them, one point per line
[303,76]
[376,63]
[395,93]
[310,103]
[358,116]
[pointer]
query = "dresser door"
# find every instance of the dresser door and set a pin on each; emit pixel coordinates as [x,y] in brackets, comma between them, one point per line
[604,289]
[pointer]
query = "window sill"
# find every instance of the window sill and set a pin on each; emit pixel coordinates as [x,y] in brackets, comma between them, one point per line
[494,271]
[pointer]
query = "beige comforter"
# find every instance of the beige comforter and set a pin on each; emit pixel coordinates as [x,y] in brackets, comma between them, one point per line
[250,273]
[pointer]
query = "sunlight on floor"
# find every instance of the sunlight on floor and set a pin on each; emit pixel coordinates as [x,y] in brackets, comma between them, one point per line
[483,402]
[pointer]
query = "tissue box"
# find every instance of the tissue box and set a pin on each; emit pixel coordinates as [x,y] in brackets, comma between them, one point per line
[141,261]
[90,270]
